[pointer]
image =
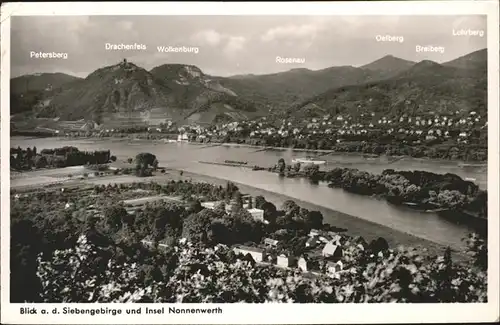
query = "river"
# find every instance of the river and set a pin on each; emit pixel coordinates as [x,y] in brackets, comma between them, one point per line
[186,156]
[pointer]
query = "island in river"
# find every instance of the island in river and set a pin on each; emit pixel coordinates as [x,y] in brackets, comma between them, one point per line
[358,214]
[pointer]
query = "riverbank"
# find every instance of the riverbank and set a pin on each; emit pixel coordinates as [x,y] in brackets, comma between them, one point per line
[355,226]
[320,152]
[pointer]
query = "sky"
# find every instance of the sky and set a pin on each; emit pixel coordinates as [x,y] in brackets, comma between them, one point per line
[233,45]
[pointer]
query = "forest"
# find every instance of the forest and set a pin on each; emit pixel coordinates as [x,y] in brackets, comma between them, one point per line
[30,158]
[417,189]
[82,245]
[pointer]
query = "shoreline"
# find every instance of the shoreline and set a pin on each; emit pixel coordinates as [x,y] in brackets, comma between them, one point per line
[323,152]
[355,226]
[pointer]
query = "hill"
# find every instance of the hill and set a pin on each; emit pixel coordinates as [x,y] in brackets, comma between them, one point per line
[474,60]
[389,65]
[281,90]
[125,93]
[424,88]
[26,91]
[40,82]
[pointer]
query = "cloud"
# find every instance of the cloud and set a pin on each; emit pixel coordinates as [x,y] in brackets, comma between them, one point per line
[252,41]
[126,25]
[209,37]
[234,45]
[292,32]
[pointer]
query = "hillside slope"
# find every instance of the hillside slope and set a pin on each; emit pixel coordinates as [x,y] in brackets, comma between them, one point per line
[389,65]
[474,60]
[40,82]
[126,91]
[26,91]
[426,87]
[282,90]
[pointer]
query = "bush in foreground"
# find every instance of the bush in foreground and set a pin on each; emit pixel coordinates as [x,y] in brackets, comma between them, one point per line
[88,273]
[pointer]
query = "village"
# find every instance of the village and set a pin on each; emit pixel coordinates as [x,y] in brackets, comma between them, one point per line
[323,248]
[453,126]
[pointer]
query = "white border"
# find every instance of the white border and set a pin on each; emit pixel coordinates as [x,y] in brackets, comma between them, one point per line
[270,313]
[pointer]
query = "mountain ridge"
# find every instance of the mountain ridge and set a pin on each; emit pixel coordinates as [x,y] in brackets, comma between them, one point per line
[184,92]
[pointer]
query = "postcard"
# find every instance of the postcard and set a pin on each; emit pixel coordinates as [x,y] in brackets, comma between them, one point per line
[250,163]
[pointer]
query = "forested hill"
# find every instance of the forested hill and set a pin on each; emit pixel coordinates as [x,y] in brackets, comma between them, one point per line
[426,87]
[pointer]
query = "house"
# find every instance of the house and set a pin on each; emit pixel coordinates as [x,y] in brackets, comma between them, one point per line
[258,254]
[302,264]
[257,214]
[334,267]
[284,261]
[271,242]
[332,250]
[209,205]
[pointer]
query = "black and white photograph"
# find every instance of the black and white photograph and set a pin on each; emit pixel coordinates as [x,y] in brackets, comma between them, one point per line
[213,159]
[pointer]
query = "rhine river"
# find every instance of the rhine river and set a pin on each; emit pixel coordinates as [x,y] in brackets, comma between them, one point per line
[187,156]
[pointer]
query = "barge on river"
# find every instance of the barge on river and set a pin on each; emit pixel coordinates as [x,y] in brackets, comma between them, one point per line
[308,161]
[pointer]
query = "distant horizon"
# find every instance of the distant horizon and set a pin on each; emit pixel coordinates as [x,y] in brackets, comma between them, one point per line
[237,45]
[246,74]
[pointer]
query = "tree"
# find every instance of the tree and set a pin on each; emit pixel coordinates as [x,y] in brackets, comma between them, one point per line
[195,206]
[145,158]
[477,247]
[281,166]
[197,225]
[270,211]
[311,171]
[314,219]
[444,277]
[155,164]
[220,209]
[114,216]
[40,161]
[259,201]
[219,232]
[290,207]
[237,200]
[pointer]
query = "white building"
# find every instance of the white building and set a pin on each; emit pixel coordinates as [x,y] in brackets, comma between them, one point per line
[257,254]
[257,214]
[209,205]
[284,261]
[332,250]
[302,264]
[271,242]
[332,268]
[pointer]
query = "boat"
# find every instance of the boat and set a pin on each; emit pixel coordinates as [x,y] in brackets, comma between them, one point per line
[465,165]
[308,161]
